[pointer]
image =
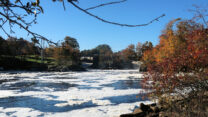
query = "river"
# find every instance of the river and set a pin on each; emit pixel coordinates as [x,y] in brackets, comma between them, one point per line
[95,93]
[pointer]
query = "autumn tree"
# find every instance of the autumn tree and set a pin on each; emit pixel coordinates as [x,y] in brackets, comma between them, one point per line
[67,54]
[49,51]
[120,61]
[143,50]
[130,53]
[146,46]
[180,62]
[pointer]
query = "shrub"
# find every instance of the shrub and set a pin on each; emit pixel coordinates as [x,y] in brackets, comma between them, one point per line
[178,66]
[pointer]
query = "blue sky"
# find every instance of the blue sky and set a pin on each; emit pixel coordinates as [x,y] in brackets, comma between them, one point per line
[56,23]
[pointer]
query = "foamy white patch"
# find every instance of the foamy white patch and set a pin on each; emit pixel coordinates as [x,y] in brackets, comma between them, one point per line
[20,112]
[101,93]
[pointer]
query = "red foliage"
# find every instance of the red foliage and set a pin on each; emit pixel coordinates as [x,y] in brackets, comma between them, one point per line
[180,61]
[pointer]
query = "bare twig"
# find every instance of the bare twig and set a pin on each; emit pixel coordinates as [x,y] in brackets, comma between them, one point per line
[105,4]
[3,22]
[115,23]
[31,9]
[12,17]
[25,28]
[64,5]
[200,13]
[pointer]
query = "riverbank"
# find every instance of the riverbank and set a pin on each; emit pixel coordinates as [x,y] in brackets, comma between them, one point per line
[174,106]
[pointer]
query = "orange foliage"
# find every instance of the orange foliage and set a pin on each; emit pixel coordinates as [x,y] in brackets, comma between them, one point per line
[129,53]
[177,53]
[148,57]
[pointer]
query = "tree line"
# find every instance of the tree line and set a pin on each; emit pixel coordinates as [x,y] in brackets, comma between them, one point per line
[67,55]
[105,58]
[13,47]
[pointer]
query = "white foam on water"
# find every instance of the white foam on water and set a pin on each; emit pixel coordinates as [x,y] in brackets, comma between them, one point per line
[92,95]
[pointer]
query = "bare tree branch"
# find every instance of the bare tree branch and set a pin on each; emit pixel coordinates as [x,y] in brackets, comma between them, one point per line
[64,5]
[9,14]
[25,28]
[3,22]
[105,4]
[200,13]
[115,23]
[12,17]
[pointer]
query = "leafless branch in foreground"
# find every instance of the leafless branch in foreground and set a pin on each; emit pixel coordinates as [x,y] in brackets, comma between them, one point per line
[105,4]
[115,23]
[10,15]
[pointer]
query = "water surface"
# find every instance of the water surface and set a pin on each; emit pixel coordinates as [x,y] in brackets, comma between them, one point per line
[104,93]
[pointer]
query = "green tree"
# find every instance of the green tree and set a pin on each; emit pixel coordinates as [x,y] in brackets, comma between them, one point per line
[3,47]
[72,42]
[102,56]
